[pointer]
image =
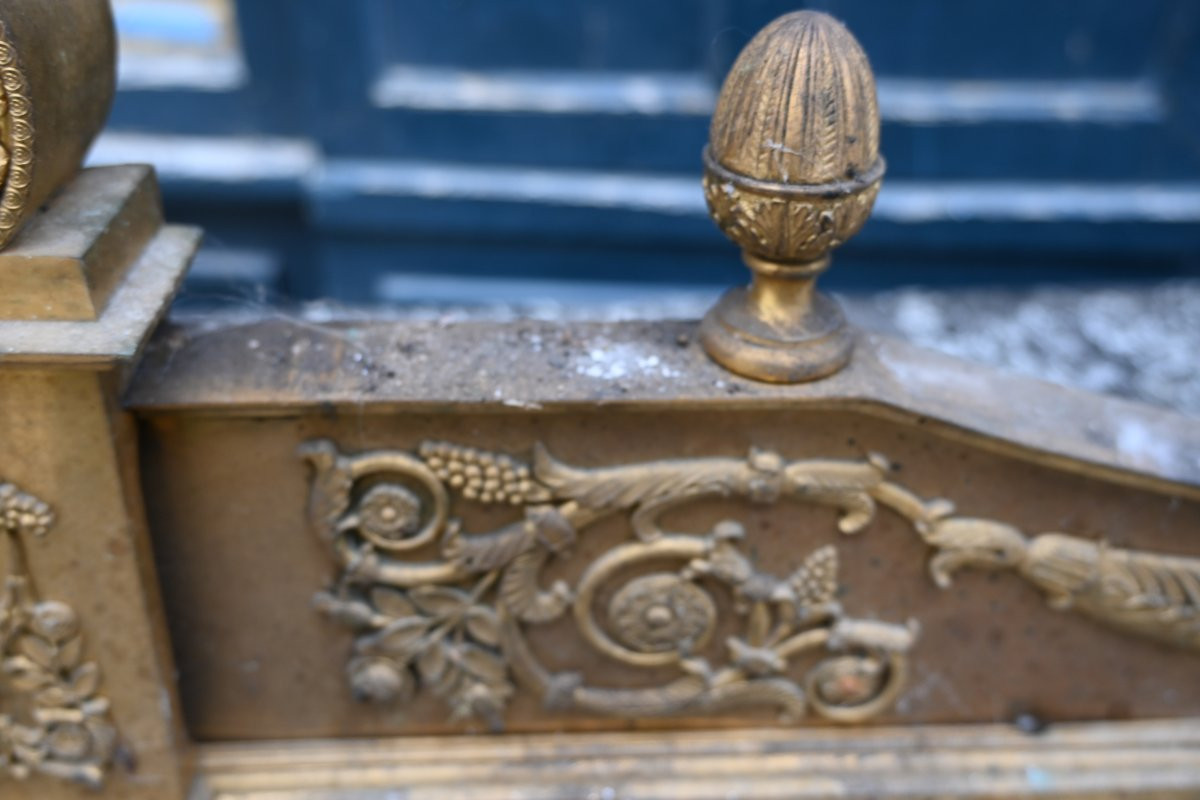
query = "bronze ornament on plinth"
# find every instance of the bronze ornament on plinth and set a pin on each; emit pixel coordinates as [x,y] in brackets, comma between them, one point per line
[791,171]
[256,557]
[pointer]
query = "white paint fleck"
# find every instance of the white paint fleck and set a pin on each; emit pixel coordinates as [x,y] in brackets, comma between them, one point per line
[526,404]
[613,361]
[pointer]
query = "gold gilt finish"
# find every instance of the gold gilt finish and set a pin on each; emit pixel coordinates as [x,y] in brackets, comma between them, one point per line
[87,268]
[56,723]
[1148,594]
[57,80]
[1146,760]
[452,622]
[708,618]
[791,171]
[71,260]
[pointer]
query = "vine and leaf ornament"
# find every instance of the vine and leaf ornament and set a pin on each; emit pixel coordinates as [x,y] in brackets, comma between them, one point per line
[53,719]
[440,610]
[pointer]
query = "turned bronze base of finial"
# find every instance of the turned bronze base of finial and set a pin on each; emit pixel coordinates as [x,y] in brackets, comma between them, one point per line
[779,328]
[790,173]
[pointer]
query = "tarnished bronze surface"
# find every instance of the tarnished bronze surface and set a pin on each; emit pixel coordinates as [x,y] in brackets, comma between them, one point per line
[87,700]
[87,280]
[250,365]
[62,440]
[452,610]
[69,261]
[66,730]
[241,572]
[58,74]
[1144,760]
[372,529]
[791,171]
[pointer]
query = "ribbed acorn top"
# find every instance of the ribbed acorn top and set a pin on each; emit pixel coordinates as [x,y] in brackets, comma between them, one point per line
[799,105]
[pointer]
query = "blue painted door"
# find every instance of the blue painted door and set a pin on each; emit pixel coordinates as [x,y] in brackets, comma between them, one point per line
[340,149]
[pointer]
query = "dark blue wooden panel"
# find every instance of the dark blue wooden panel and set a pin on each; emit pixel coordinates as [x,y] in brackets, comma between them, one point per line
[270,100]
[661,35]
[562,137]
[1008,39]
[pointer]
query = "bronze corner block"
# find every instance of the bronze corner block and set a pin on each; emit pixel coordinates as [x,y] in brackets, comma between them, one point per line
[87,268]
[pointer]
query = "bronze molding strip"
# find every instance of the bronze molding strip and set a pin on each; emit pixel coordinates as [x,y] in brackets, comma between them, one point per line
[204,367]
[1153,760]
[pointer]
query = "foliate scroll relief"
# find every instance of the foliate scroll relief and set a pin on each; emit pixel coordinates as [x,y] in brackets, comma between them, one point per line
[440,610]
[54,721]
[796,228]
[455,622]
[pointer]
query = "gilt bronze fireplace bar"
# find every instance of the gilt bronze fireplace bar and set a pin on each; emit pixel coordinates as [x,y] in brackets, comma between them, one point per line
[767,555]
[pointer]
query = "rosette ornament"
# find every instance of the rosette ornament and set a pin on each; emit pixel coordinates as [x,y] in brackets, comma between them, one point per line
[791,171]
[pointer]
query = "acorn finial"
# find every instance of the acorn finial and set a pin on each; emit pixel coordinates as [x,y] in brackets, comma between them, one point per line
[791,171]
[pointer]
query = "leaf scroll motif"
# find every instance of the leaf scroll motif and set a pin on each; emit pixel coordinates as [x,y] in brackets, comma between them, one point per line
[66,731]
[453,622]
[798,228]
